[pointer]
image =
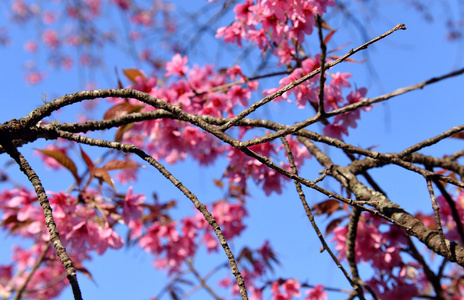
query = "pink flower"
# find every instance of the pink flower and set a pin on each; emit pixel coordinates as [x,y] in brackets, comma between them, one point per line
[144,17]
[48,17]
[230,217]
[231,34]
[131,206]
[335,131]
[357,96]
[235,72]
[30,46]
[24,258]
[239,94]
[108,238]
[292,288]
[35,77]
[341,79]
[317,293]
[276,293]
[177,66]
[242,11]
[122,4]
[50,38]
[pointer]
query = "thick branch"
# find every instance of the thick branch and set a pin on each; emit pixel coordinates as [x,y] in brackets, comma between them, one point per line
[391,210]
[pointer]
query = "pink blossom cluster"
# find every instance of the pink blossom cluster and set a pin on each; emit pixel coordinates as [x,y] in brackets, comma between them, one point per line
[87,225]
[201,91]
[334,91]
[242,167]
[83,231]
[268,23]
[271,25]
[172,243]
[292,288]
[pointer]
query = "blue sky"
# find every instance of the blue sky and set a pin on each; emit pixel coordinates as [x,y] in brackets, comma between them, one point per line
[404,58]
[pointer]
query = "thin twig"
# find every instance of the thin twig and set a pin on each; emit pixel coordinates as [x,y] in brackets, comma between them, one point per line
[431,277]
[36,265]
[203,282]
[436,211]
[452,205]
[313,222]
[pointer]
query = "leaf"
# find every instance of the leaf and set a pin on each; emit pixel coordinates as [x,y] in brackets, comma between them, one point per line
[459,135]
[121,131]
[332,225]
[120,164]
[117,76]
[329,37]
[326,207]
[64,160]
[325,25]
[118,110]
[10,219]
[335,57]
[82,269]
[103,175]
[218,183]
[131,74]
[88,162]
[121,109]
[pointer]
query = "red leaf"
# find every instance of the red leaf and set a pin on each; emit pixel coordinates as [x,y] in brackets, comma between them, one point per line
[325,25]
[131,74]
[88,162]
[103,175]
[332,225]
[120,164]
[459,135]
[121,130]
[82,269]
[327,207]
[121,109]
[117,76]
[218,183]
[64,160]
[329,36]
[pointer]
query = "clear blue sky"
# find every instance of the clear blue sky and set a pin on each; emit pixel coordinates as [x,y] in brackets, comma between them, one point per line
[404,58]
